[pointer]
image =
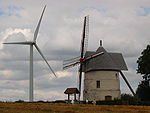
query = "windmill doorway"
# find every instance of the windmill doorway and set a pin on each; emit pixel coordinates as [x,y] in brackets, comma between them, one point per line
[108,98]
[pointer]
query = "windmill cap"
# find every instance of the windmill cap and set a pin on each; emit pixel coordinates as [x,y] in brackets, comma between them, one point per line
[106,61]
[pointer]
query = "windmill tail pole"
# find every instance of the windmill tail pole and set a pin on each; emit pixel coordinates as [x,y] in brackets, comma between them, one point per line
[127,83]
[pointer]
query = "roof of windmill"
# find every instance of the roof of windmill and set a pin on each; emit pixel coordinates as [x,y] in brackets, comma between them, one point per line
[106,61]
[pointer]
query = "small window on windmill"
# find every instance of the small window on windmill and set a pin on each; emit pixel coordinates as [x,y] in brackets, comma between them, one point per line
[98,84]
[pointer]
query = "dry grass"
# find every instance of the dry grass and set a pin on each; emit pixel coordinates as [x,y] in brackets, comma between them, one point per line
[68,108]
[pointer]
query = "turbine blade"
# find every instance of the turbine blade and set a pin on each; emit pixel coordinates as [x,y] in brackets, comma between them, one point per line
[21,43]
[38,26]
[44,59]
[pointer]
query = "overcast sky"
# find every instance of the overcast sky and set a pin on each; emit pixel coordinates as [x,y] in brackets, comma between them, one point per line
[123,25]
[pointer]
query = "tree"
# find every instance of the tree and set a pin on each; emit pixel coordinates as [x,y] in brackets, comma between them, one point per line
[144,63]
[132,100]
[143,90]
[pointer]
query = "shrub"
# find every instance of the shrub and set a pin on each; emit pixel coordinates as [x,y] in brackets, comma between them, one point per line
[19,101]
[132,100]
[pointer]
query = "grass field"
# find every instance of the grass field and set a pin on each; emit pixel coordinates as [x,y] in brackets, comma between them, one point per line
[69,108]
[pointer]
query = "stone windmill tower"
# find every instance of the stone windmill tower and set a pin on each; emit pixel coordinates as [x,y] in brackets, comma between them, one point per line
[101,78]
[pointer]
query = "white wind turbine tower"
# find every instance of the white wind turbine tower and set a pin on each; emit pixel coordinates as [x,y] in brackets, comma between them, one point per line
[31,44]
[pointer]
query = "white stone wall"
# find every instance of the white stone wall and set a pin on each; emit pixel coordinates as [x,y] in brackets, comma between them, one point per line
[109,85]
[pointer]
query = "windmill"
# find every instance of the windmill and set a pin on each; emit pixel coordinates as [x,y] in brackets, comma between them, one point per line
[81,59]
[101,78]
[31,44]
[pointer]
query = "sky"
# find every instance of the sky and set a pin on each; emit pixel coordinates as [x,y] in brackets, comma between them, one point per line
[123,25]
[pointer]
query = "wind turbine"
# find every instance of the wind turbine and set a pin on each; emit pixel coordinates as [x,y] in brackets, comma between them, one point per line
[31,44]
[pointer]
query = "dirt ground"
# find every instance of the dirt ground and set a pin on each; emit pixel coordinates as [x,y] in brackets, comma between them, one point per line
[69,108]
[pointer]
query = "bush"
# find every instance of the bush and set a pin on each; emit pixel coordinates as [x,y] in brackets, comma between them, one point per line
[19,101]
[59,101]
[111,102]
[143,91]
[144,103]
[126,99]
[132,100]
[41,101]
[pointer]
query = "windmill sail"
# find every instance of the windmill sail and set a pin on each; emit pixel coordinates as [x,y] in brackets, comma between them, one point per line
[84,43]
[70,61]
[85,34]
[93,55]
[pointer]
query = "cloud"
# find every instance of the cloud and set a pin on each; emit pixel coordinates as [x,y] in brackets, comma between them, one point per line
[10,32]
[63,74]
